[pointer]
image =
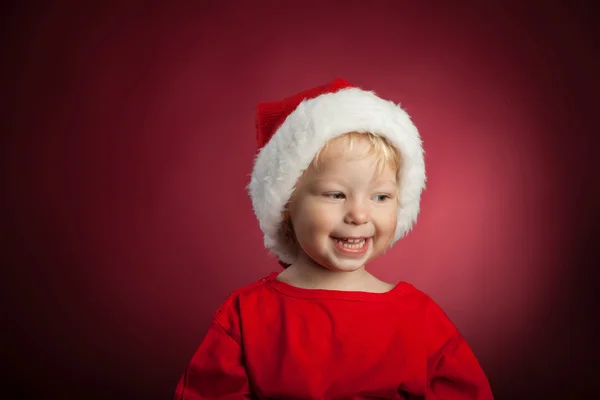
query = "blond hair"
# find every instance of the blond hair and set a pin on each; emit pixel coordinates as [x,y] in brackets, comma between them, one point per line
[385,153]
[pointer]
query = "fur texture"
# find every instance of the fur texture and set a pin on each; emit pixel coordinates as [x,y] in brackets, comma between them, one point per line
[292,148]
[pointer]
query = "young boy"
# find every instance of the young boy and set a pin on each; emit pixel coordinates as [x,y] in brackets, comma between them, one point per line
[337,182]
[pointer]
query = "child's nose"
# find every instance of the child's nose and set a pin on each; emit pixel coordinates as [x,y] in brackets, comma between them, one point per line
[356,214]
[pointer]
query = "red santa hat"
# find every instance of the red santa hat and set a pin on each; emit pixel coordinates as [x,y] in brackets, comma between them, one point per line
[290,132]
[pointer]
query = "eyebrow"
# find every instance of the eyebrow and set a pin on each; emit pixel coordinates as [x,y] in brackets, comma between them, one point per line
[384,181]
[343,181]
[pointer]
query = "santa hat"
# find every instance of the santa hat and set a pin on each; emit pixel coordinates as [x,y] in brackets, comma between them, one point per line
[290,132]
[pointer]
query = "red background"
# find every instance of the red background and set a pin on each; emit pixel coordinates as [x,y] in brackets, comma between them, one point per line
[130,140]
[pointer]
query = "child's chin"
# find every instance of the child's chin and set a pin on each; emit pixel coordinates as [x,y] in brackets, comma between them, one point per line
[346,266]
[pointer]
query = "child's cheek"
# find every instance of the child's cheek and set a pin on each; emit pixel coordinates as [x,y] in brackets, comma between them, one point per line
[319,220]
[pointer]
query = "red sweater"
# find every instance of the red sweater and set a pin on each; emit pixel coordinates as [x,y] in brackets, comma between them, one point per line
[271,340]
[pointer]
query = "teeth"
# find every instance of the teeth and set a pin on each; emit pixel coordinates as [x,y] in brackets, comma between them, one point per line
[352,243]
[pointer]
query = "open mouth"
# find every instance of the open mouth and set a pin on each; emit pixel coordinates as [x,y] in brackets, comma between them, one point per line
[351,243]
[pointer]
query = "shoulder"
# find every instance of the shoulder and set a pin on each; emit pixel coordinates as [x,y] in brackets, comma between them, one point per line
[413,296]
[434,317]
[231,303]
[227,315]
[437,331]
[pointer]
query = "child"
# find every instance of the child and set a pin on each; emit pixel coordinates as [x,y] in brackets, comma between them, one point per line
[337,181]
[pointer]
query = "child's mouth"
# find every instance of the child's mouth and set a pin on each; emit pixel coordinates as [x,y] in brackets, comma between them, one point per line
[351,245]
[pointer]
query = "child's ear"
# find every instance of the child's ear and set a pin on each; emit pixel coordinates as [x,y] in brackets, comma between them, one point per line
[286,214]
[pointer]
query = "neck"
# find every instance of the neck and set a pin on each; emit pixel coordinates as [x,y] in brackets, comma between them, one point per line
[307,273]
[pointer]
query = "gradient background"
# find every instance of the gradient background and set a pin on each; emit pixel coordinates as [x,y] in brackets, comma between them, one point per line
[129,142]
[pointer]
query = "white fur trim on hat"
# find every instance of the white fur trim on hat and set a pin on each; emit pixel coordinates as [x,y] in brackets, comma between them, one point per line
[290,151]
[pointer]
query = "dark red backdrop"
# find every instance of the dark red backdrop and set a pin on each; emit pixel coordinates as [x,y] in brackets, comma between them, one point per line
[130,140]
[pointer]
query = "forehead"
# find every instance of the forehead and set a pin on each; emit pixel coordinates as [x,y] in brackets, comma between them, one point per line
[338,151]
[358,161]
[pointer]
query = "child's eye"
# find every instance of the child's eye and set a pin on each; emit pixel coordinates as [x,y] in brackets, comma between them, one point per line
[335,196]
[382,197]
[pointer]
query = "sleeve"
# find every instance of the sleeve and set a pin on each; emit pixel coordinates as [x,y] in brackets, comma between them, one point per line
[216,370]
[453,372]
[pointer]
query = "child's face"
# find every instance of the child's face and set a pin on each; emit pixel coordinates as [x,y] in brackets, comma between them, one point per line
[345,198]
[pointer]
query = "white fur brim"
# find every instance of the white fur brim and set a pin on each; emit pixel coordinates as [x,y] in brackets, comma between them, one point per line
[281,162]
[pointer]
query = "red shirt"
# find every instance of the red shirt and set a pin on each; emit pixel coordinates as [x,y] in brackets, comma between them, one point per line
[271,340]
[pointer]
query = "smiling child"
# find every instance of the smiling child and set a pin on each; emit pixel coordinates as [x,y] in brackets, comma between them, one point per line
[337,181]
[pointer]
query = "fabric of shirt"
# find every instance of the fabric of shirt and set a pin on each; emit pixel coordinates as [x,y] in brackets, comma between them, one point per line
[272,340]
